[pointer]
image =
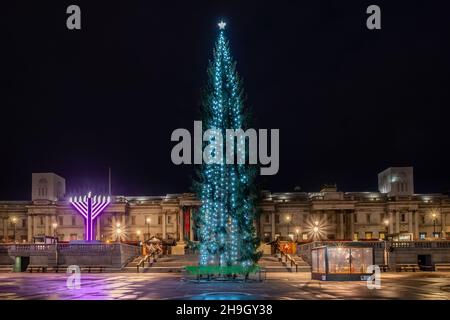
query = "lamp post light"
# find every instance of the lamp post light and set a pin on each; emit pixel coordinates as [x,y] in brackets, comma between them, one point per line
[148,220]
[118,234]
[386,224]
[14,222]
[297,231]
[54,225]
[138,234]
[288,219]
[385,252]
[434,223]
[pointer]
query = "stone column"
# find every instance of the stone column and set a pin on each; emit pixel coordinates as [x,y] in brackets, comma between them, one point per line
[397,222]
[410,224]
[34,226]
[30,228]
[391,223]
[5,228]
[98,227]
[191,225]
[181,225]
[341,225]
[352,226]
[416,225]
[46,226]
[273,225]
[113,220]
[164,218]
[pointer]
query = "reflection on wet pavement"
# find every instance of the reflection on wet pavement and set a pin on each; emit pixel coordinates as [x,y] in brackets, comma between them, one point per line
[423,285]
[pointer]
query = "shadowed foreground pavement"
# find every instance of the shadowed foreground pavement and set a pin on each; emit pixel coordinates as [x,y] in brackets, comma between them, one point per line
[420,285]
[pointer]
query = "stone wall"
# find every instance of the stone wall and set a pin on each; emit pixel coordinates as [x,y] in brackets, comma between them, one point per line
[110,255]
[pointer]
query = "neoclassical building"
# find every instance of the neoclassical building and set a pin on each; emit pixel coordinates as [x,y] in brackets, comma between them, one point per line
[394,210]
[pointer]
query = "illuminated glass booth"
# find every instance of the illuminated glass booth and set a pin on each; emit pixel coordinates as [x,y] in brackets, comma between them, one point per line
[339,263]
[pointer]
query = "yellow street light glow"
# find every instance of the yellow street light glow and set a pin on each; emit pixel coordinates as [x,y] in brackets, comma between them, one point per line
[118,231]
[54,225]
[118,224]
[316,229]
[386,221]
[139,232]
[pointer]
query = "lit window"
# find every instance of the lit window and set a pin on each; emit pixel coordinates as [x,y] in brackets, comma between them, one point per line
[422,235]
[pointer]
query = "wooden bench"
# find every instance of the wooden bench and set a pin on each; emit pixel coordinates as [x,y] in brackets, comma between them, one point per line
[442,267]
[37,268]
[407,267]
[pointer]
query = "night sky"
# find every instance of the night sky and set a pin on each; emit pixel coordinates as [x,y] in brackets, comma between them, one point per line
[348,101]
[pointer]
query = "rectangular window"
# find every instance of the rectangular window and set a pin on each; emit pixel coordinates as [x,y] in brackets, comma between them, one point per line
[74,221]
[356,236]
[368,218]
[422,235]
[133,220]
[41,221]
[305,236]
[24,223]
[436,234]
[305,218]
[266,218]
[403,217]
[368,235]
[355,218]
[422,219]
[60,220]
[169,219]
[73,236]
[159,219]
[382,235]
[277,218]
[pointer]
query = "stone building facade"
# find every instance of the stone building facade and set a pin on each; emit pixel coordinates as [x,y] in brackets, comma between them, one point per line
[394,211]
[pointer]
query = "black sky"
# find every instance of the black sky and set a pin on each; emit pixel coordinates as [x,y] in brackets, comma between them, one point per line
[348,101]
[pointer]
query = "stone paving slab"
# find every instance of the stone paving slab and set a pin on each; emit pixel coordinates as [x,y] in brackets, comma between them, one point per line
[423,285]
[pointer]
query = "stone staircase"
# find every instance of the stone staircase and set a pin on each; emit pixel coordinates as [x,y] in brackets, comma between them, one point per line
[273,263]
[165,263]
[176,263]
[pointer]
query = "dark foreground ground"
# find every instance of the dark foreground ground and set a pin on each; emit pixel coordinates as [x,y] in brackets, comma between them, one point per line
[421,285]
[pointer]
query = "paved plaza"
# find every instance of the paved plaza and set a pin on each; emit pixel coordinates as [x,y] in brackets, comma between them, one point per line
[423,285]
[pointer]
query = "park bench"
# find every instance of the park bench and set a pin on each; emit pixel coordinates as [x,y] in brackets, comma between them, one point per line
[384,267]
[37,268]
[62,268]
[442,267]
[407,267]
[6,268]
[94,268]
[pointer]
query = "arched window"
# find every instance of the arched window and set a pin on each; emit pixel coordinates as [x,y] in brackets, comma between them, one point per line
[42,187]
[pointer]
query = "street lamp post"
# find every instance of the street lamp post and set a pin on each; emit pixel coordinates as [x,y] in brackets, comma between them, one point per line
[138,234]
[118,232]
[54,225]
[434,224]
[148,220]
[385,255]
[288,219]
[386,224]
[14,221]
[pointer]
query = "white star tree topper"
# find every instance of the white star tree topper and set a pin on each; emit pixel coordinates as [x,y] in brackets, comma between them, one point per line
[221,25]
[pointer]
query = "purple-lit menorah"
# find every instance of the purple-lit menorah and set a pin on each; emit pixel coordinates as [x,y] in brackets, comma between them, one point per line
[90,208]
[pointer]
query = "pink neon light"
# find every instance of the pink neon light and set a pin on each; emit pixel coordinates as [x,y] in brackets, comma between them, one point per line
[90,208]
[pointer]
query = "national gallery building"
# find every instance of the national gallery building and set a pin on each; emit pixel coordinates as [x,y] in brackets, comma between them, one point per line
[394,211]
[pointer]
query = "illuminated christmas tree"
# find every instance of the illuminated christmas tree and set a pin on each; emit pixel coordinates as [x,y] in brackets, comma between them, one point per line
[226,231]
